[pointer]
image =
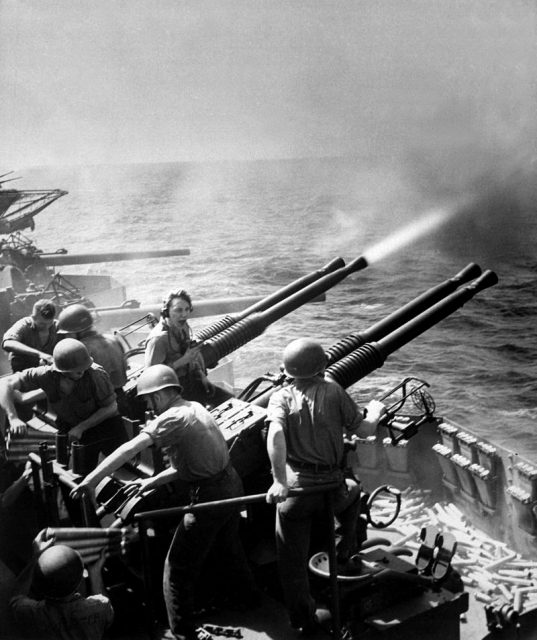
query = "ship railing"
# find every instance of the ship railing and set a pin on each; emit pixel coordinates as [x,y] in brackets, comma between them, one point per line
[133,329]
[145,520]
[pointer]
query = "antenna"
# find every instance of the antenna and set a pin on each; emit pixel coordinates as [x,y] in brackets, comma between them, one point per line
[8,180]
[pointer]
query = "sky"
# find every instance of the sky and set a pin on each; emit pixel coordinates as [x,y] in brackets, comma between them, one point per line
[120,81]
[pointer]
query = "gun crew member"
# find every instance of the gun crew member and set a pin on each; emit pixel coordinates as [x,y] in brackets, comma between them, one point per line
[31,340]
[77,322]
[305,442]
[56,574]
[200,459]
[79,392]
[170,343]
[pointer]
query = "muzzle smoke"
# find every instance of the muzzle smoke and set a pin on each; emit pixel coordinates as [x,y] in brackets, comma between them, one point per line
[408,235]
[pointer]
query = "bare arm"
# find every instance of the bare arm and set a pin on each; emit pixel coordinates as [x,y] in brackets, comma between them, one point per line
[111,463]
[140,486]
[8,387]
[16,488]
[375,411]
[22,349]
[165,476]
[277,451]
[95,574]
[94,419]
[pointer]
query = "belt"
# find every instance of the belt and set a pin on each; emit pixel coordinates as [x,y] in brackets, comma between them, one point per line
[312,466]
[203,482]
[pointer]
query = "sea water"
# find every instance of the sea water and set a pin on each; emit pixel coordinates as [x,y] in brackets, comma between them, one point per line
[253,227]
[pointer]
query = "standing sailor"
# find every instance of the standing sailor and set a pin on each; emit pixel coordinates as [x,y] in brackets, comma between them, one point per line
[307,420]
[199,458]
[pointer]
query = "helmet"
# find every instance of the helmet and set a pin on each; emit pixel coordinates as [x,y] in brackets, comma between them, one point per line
[155,378]
[74,318]
[58,571]
[71,355]
[303,358]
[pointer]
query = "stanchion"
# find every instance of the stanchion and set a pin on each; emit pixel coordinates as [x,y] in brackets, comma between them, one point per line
[332,565]
[49,493]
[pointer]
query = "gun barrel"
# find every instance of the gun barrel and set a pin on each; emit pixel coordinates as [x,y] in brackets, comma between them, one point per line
[413,308]
[109,318]
[402,315]
[362,361]
[61,259]
[252,326]
[268,301]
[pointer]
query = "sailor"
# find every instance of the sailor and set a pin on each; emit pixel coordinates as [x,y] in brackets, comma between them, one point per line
[56,573]
[170,343]
[31,340]
[199,458]
[77,322]
[305,441]
[79,392]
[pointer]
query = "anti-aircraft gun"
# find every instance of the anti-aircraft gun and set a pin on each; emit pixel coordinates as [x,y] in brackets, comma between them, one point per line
[242,419]
[348,344]
[238,416]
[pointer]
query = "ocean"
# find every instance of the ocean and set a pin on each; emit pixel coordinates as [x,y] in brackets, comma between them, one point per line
[253,227]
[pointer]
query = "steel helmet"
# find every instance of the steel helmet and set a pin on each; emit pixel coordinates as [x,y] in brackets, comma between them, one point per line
[155,378]
[303,358]
[58,571]
[74,318]
[71,355]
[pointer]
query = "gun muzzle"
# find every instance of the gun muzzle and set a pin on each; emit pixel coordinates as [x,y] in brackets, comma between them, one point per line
[268,301]
[254,325]
[364,360]
[382,328]
[402,315]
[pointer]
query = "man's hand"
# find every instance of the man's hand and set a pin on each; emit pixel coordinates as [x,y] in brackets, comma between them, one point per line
[18,427]
[375,410]
[83,490]
[45,358]
[75,433]
[39,543]
[350,442]
[27,473]
[190,356]
[278,492]
[137,487]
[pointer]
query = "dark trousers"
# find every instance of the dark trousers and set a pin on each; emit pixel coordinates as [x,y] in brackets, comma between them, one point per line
[294,520]
[197,535]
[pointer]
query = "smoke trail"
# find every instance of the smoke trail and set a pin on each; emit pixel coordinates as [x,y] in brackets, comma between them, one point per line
[409,234]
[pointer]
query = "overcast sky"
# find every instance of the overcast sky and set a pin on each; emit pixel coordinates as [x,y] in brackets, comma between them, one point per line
[98,81]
